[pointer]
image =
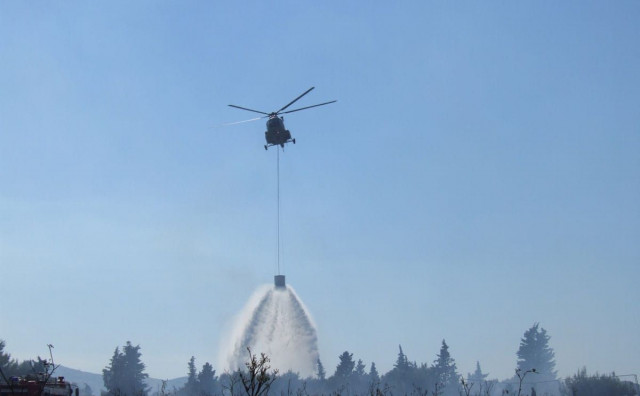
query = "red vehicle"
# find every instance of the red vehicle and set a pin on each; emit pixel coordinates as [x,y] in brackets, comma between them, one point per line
[37,385]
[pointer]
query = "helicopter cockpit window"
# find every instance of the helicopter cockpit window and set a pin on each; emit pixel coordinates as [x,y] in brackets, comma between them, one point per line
[274,122]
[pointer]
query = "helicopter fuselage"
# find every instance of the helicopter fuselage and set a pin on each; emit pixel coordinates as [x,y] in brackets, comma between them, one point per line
[276,134]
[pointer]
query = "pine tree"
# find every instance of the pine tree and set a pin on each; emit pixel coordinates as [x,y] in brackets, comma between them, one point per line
[403,376]
[402,363]
[478,376]
[112,375]
[359,370]
[136,368]
[445,368]
[207,381]
[8,366]
[322,374]
[346,365]
[535,353]
[5,358]
[359,380]
[125,374]
[191,387]
[373,374]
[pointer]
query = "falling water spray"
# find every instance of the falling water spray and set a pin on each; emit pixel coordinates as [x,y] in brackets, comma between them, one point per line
[274,322]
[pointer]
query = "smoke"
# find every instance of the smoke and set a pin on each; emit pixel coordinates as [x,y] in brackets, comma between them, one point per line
[277,323]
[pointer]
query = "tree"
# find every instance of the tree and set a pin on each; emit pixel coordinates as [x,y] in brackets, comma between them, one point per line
[479,381]
[445,368]
[125,374]
[478,376]
[288,383]
[207,381]
[359,378]
[373,374]
[359,370]
[8,366]
[346,365]
[404,376]
[341,379]
[594,385]
[163,390]
[191,387]
[257,380]
[322,374]
[466,387]
[230,382]
[402,363]
[521,377]
[535,353]
[39,370]
[112,376]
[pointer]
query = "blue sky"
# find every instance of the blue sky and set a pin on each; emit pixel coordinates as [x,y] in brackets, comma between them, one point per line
[479,173]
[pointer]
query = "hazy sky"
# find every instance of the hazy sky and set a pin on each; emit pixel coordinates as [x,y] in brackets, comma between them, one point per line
[479,173]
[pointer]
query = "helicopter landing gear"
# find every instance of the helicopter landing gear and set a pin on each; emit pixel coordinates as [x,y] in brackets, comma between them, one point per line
[265,146]
[294,141]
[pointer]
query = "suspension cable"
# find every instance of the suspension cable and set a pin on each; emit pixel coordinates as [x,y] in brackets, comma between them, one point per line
[278,177]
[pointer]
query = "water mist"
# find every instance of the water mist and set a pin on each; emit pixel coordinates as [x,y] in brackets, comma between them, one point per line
[274,322]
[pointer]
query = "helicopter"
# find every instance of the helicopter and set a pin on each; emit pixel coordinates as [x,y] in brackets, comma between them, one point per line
[277,134]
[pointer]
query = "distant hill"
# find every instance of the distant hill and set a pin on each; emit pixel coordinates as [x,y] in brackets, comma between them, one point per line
[97,385]
[81,378]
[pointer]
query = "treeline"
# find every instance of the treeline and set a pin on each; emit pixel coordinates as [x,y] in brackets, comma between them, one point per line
[13,368]
[534,374]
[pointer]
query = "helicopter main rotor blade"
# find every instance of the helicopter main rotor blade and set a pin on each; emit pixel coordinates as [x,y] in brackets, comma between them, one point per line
[240,122]
[308,107]
[295,100]
[244,108]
